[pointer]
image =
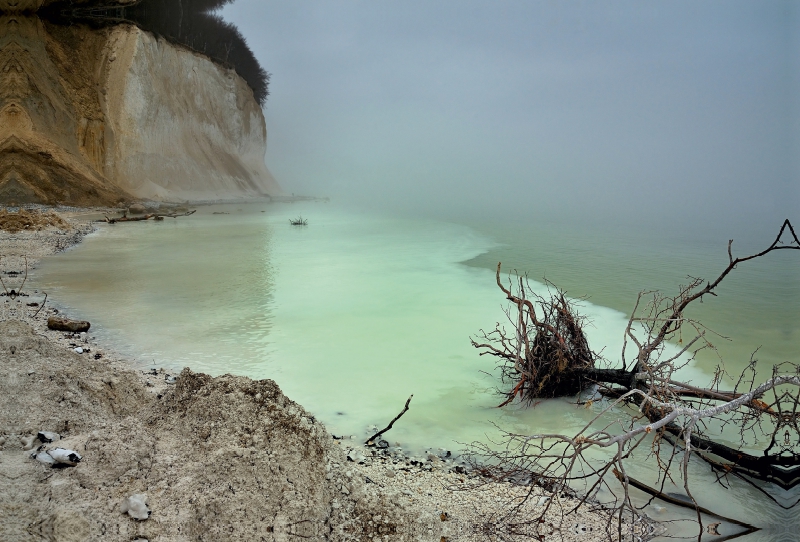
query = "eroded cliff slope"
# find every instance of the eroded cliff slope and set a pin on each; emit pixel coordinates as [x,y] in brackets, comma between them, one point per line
[98,116]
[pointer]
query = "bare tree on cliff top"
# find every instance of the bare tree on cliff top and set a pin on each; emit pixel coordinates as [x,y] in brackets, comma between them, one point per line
[646,409]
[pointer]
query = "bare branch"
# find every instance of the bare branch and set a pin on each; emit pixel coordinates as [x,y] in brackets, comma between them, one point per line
[371,440]
[644,399]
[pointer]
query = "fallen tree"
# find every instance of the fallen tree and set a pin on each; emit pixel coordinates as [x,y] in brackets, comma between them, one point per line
[148,216]
[545,354]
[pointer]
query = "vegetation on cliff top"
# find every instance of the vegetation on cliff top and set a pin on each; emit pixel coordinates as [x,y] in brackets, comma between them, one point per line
[191,23]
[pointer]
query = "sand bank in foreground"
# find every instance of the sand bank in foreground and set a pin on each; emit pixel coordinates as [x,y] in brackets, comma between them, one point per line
[225,458]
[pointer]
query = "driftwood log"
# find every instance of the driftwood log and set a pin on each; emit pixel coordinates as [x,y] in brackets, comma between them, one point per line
[154,216]
[65,324]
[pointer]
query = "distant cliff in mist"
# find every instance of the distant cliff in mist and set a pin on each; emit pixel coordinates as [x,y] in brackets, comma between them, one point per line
[95,114]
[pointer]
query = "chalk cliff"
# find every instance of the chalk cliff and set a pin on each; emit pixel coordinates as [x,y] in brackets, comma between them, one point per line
[97,116]
[178,125]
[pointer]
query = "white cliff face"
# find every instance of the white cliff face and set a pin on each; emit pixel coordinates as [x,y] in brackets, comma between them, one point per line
[177,126]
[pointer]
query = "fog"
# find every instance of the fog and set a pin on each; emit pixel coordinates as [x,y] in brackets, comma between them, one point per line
[644,113]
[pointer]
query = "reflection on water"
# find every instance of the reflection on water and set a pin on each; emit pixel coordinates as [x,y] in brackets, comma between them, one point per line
[353,313]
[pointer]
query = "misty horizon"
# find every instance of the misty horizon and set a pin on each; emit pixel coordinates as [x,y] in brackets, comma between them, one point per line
[658,114]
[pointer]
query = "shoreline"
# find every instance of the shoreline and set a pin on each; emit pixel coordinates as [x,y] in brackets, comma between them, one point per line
[185,426]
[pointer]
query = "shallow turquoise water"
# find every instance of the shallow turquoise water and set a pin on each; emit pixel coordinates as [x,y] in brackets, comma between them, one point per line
[355,312]
[350,315]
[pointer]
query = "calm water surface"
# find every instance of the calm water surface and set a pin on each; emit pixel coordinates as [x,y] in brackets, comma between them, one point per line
[355,312]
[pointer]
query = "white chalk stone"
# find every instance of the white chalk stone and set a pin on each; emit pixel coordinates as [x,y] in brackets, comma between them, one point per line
[65,457]
[355,455]
[136,506]
[47,436]
[43,457]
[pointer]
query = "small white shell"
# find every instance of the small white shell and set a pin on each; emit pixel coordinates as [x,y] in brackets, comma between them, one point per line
[136,506]
[65,457]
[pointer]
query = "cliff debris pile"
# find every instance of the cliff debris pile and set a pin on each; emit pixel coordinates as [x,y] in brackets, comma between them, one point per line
[218,459]
[23,219]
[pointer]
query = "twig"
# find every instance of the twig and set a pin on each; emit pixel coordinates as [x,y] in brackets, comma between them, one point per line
[3,283]
[41,306]
[26,274]
[371,440]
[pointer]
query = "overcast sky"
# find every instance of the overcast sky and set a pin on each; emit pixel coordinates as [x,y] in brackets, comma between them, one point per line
[645,110]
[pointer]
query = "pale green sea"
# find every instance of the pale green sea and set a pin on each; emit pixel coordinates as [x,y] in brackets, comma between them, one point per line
[355,312]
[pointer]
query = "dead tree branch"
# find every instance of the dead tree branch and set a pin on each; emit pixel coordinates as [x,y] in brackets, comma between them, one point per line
[678,502]
[545,354]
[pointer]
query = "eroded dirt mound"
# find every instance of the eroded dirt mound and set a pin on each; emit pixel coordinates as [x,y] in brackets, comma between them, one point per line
[256,461]
[34,220]
[224,458]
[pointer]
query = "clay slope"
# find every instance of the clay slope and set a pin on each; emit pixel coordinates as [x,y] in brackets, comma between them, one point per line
[46,154]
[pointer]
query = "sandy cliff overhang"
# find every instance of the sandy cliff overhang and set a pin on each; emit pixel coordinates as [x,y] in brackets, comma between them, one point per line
[32,6]
[20,6]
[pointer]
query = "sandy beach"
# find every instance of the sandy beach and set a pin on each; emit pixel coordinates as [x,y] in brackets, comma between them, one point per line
[225,458]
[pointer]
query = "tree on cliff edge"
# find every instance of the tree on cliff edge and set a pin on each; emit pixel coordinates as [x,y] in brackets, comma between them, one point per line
[191,23]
